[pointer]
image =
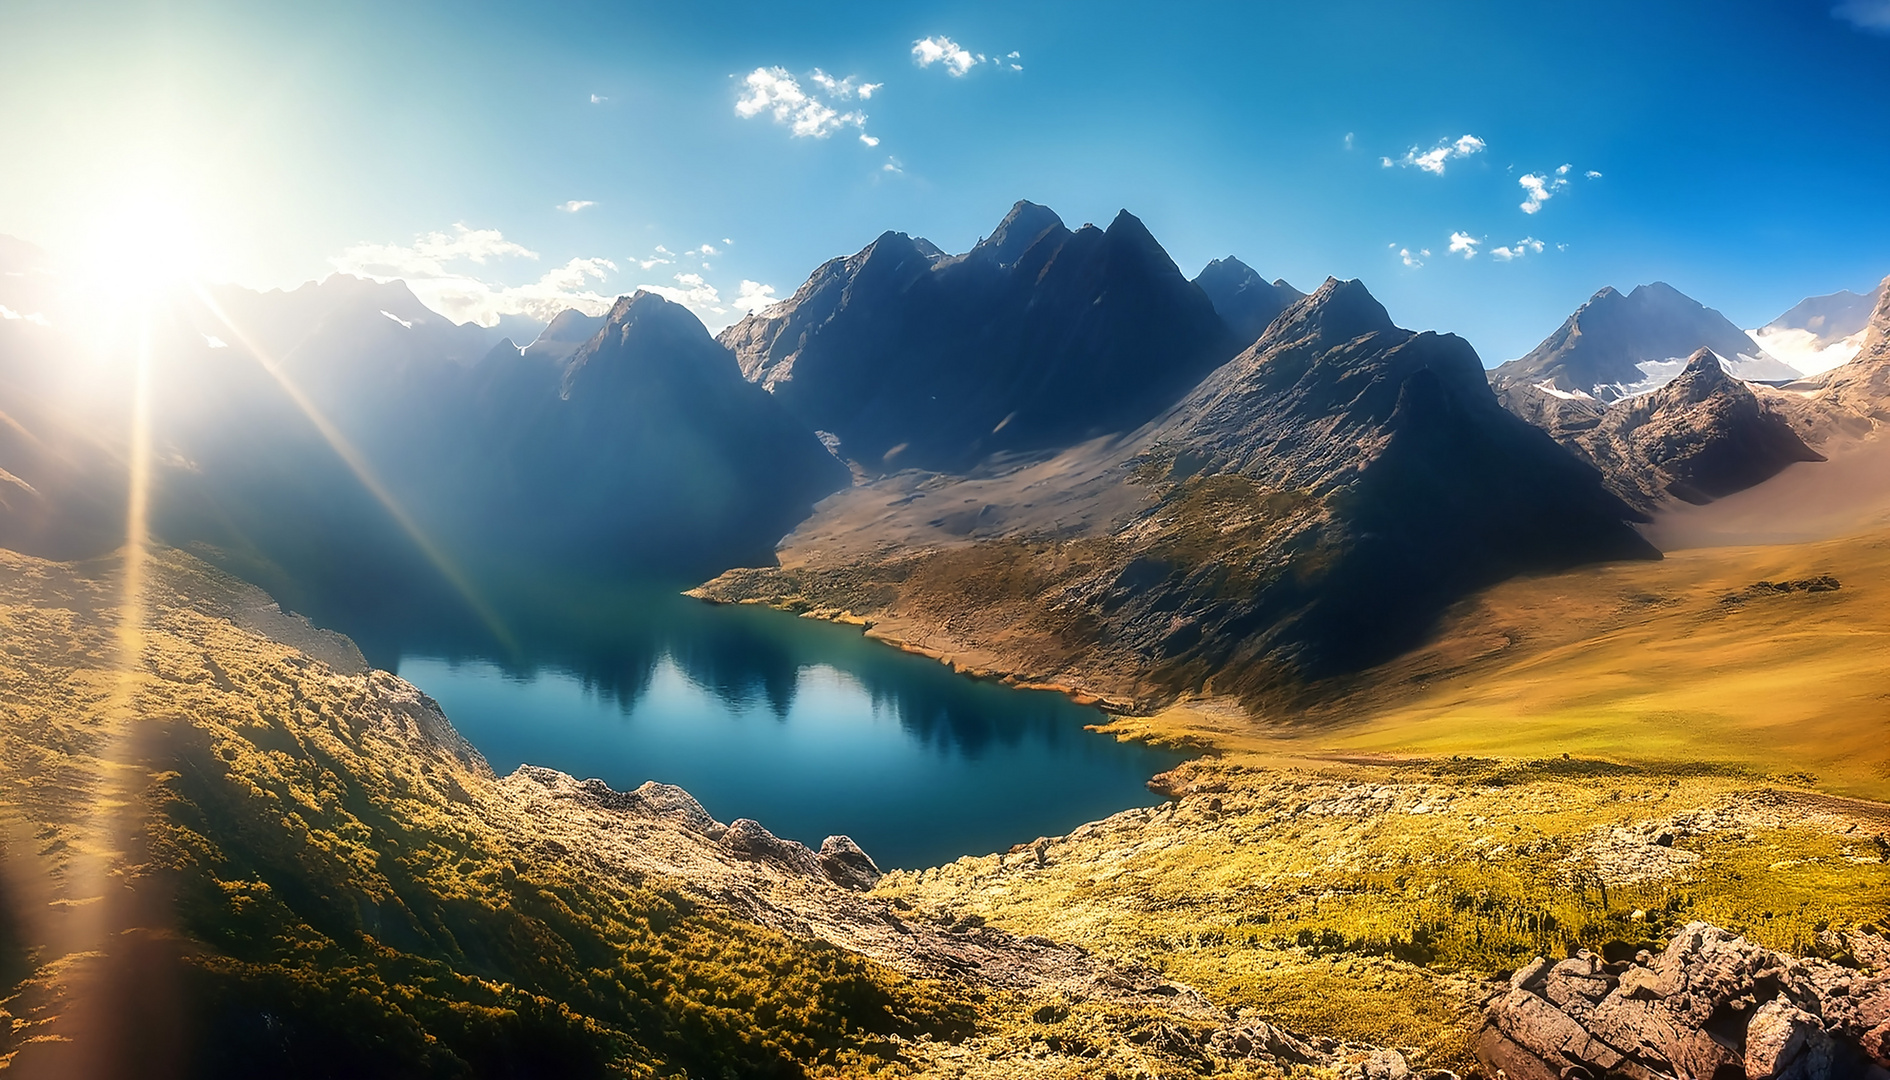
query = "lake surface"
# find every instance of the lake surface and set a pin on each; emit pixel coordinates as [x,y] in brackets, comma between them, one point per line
[805,726]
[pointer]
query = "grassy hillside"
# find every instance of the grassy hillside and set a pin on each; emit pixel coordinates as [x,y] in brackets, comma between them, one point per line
[1588,759]
[1762,661]
[224,857]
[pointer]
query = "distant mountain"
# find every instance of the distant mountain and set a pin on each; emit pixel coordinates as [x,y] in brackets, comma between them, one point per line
[1617,345]
[1820,332]
[564,336]
[1243,298]
[340,442]
[647,446]
[1303,512]
[1036,339]
[1701,437]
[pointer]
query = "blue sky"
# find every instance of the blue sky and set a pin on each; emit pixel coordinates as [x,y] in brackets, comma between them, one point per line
[1743,148]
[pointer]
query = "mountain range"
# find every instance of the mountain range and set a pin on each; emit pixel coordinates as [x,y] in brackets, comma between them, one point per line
[1302,513]
[1036,338]
[1619,344]
[1261,488]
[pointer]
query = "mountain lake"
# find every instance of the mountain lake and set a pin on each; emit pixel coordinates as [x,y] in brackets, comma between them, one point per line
[805,726]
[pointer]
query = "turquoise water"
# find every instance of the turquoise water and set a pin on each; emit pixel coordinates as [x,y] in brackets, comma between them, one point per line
[806,727]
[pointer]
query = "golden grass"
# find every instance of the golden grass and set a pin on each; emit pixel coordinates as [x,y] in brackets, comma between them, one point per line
[1643,663]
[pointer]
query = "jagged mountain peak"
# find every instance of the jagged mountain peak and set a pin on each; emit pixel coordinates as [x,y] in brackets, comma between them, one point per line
[1334,313]
[1618,345]
[1037,338]
[1026,223]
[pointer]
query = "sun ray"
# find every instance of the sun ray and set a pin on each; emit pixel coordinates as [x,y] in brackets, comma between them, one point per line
[357,463]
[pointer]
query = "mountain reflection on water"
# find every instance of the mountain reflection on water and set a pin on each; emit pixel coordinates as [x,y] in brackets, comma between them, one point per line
[806,726]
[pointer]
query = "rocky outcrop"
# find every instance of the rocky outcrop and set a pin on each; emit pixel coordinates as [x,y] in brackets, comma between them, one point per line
[1712,1005]
[1243,298]
[1619,344]
[1036,339]
[1701,437]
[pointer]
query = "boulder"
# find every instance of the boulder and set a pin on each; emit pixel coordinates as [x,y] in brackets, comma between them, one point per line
[849,867]
[750,839]
[1711,1005]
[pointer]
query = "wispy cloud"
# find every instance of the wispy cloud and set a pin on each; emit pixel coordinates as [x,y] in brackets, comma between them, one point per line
[1437,158]
[1528,245]
[1464,244]
[1592,175]
[807,113]
[575,205]
[1872,15]
[957,59]
[434,267]
[429,254]
[598,99]
[1349,136]
[7,314]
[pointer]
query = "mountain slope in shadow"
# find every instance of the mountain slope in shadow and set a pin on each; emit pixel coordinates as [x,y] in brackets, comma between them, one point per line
[1304,512]
[1037,338]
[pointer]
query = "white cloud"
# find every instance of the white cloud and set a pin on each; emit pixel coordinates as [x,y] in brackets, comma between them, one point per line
[1592,175]
[1464,244]
[1409,258]
[575,205]
[598,99]
[843,89]
[215,342]
[1562,170]
[1540,189]
[1528,245]
[778,93]
[7,314]
[752,296]
[1348,139]
[869,140]
[434,267]
[1865,14]
[957,59]
[708,249]
[428,255]
[943,50]
[892,166]
[692,292]
[1435,159]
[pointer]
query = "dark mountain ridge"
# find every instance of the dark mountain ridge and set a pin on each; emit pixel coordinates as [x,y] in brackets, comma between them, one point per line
[1037,338]
[1244,299]
[340,440]
[1304,512]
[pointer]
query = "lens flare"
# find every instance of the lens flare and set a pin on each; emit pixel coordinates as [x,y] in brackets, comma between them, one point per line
[357,463]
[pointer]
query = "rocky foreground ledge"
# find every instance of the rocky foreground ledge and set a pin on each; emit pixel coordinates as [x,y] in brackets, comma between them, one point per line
[1712,1006]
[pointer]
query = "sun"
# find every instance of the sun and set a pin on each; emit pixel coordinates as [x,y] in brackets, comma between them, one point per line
[146,238]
